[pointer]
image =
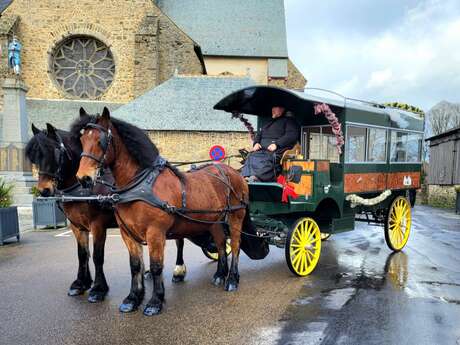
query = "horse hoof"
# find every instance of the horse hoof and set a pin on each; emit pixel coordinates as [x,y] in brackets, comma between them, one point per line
[151,310]
[218,281]
[178,279]
[127,307]
[231,287]
[75,292]
[96,297]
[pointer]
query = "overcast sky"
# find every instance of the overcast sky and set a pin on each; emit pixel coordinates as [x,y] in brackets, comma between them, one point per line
[379,50]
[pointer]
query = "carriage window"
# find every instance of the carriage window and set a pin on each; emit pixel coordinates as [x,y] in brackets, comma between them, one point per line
[406,147]
[377,143]
[329,147]
[356,144]
[314,142]
[320,143]
[414,147]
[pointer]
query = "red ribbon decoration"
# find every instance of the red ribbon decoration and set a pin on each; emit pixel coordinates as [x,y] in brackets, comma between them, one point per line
[288,190]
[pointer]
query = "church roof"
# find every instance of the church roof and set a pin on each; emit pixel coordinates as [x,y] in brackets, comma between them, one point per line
[61,113]
[232,28]
[185,103]
[4,4]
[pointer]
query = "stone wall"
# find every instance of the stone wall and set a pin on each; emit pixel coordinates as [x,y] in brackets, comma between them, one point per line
[176,51]
[121,25]
[294,80]
[441,196]
[191,146]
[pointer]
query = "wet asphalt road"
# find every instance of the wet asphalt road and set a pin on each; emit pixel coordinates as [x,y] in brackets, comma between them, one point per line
[358,294]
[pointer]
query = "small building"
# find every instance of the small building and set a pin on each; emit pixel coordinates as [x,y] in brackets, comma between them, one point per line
[444,167]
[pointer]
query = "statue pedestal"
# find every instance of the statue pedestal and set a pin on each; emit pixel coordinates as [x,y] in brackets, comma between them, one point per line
[14,135]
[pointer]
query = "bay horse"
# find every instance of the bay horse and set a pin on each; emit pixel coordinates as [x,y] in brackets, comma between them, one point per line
[216,193]
[56,153]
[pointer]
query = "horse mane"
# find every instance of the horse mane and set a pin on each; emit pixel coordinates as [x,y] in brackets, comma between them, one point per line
[40,143]
[138,144]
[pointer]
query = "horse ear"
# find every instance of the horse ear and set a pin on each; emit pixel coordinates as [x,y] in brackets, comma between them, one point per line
[35,130]
[51,131]
[82,112]
[106,113]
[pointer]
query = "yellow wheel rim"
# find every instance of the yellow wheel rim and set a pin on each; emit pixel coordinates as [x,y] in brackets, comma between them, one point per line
[399,223]
[215,255]
[304,247]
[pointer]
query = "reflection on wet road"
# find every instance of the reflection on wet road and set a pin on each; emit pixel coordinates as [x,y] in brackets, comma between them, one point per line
[360,293]
[364,294]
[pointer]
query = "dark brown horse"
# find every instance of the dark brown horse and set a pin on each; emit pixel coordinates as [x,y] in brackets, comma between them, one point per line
[218,190]
[58,165]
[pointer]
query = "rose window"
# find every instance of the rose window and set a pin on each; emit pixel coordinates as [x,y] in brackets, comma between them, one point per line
[83,67]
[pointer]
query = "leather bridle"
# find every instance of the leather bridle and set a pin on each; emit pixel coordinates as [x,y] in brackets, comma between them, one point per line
[59,154]
[105,139]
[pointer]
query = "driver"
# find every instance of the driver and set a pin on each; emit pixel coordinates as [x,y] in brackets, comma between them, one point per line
[277,136]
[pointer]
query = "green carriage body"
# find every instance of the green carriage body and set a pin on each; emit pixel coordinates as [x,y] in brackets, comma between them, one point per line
[397,169]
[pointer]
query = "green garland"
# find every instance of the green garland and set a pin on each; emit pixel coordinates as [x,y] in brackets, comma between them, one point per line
[406,107]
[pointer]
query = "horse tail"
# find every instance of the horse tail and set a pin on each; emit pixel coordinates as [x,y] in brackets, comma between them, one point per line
[254,246]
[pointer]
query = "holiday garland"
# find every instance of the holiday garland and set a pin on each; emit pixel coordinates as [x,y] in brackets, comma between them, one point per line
[322,108]
[246,123]
[356,200]
[406,107]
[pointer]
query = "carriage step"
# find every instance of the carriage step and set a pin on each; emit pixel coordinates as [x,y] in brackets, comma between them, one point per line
[343,224]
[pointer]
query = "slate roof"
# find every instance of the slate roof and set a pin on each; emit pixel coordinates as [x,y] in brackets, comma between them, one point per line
[61,113]
[4,4]
[232,27]
[185,103]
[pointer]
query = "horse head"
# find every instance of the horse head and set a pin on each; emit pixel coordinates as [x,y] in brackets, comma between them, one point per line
[46,149]
[96,141]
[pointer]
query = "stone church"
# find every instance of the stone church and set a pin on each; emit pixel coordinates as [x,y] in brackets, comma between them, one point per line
[161,64]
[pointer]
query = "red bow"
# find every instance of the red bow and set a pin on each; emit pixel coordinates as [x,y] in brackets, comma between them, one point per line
[288,190]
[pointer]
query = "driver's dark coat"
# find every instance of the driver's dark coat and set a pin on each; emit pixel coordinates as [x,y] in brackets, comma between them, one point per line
[284,131]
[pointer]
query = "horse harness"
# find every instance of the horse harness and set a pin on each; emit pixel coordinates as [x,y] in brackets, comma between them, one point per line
[141,187]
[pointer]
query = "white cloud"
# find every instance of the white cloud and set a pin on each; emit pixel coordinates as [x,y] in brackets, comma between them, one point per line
[380,78]
[415,58]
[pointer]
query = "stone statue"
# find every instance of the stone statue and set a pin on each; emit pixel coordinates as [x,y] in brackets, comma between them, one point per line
[14,55]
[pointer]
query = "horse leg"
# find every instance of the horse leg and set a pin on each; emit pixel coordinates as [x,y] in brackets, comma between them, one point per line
[83,281]
[156,242]
[100,287]
[136,262]
[236,225]
[180,270]
[218,235]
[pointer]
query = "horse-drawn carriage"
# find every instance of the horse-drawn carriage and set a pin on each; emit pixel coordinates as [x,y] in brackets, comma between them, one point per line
[357,161]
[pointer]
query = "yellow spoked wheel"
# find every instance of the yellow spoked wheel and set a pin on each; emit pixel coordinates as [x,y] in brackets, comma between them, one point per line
[398,223]
[303,247]
[214,255]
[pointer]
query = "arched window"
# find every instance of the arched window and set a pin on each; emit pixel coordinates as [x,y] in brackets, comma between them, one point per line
[82,66]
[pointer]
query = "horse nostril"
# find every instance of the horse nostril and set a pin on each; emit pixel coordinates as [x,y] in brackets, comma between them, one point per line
[45,192]
[86,181]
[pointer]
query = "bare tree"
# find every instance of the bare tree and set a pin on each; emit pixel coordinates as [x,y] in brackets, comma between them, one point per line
[444,116]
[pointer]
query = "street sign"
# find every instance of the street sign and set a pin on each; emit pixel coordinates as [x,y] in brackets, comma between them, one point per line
[217,153]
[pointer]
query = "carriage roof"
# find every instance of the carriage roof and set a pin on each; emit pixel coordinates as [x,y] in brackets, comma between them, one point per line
[258,100]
